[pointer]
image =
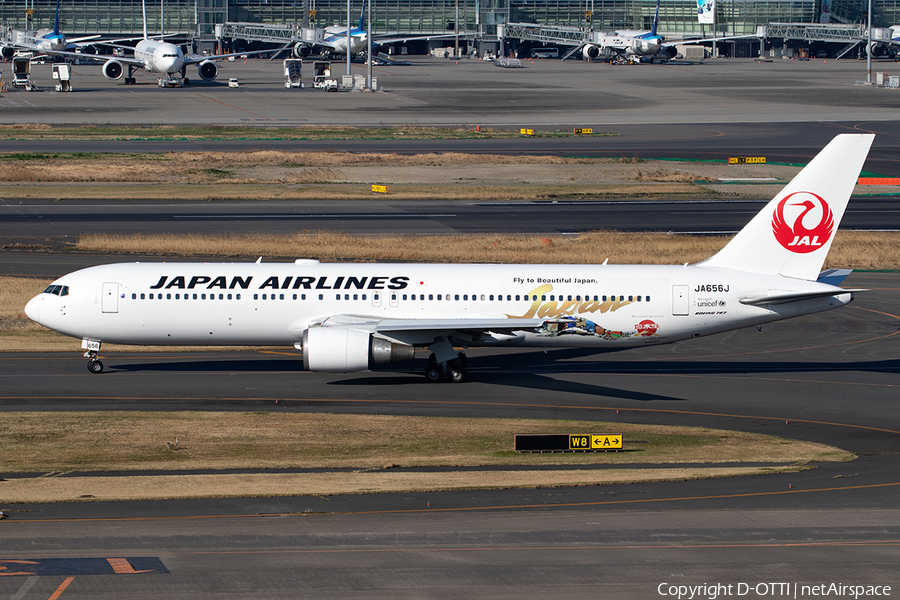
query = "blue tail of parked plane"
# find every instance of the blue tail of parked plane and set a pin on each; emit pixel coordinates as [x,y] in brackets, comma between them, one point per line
[655,20]
[56,25]
[362,17]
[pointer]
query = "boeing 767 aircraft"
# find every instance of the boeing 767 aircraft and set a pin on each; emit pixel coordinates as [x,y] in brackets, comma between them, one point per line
[350,317]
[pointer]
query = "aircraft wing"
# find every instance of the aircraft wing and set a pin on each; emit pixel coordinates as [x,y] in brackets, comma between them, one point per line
[424,331]
[100,57]
[76,41]
[199,58]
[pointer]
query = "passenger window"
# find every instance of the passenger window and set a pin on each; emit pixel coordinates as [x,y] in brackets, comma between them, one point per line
[280,296]
[142,296]
[134,296]
[456,296]
[256,296]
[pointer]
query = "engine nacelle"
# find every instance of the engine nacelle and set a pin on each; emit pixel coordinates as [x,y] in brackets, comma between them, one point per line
[208,70]
[669,51]
[113,69]
[89,49]
[344,350]
[301,50]
[7,51]
[590,51]
[876,49]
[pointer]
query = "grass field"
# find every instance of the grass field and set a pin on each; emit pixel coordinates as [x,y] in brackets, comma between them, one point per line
[374,448]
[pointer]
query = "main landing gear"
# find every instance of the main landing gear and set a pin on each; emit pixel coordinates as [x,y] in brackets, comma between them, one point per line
[453,370]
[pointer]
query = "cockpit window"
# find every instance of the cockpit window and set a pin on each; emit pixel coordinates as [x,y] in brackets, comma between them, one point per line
[57,290]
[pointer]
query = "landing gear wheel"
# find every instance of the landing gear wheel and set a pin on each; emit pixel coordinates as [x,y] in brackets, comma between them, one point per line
[186,81]
[460,362]
[456,375]
[95,366]
[433,374]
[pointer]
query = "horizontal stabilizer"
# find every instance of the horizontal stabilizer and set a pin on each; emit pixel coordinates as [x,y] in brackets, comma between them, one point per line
[795,297]
[833,277]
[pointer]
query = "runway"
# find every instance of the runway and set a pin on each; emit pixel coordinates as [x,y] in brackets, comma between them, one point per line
[831,377]
[30,222]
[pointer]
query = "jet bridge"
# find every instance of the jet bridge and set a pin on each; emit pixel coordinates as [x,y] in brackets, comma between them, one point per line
[560,35]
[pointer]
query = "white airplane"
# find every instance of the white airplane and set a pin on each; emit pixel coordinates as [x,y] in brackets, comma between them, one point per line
[161,57]
[334,39]
[885,41]
[43,41]
[630,43]
[350,317]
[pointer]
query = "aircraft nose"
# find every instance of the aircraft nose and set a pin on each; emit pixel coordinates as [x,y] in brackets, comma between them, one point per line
[33,309]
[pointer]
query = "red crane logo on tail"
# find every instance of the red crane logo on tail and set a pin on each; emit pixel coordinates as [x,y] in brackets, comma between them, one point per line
[796,236]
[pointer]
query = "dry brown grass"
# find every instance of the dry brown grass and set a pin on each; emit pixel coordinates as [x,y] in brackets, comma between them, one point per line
[660,174]
[373,445]
[167,487]
[54,441]
[858,250]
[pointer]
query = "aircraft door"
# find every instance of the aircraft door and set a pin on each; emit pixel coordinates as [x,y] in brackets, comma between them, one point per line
[110,300]
[681,301]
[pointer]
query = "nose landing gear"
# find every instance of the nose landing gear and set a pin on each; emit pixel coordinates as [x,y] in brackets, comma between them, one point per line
[92,353]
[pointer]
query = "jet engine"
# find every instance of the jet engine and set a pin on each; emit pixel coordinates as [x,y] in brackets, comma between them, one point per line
[590,51]
[876,49]
[89,49]
[301,50]
[113,69]
[343,350]
[7,51]
[669,51]
[208,70]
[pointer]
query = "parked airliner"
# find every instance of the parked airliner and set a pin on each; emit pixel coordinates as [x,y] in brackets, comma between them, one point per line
[630,43]
[350,317]
[42,41]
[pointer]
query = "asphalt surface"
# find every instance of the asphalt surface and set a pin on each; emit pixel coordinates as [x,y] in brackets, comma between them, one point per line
[831,377]
[32,222]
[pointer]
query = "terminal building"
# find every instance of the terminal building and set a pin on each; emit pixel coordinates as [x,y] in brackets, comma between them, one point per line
[196,20]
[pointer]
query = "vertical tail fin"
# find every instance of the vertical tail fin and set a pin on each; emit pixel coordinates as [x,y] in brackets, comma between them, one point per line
[144,14]
[791,236]
[362,16]
[655,20]
[56,24]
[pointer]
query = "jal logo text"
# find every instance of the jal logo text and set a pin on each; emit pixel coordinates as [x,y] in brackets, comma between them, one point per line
[802,222]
